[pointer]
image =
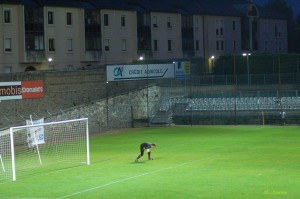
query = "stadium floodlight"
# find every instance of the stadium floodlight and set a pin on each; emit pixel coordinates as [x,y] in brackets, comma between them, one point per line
[65,144]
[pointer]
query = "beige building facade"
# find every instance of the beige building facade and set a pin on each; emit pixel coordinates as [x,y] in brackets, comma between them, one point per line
[70,37]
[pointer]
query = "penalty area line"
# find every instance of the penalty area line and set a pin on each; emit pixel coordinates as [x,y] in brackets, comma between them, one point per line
[132,177]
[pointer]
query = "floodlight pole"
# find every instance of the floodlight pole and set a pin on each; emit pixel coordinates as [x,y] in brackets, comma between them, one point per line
[106,96]
[148,94]
[147,85]
[248,67]
[235,87]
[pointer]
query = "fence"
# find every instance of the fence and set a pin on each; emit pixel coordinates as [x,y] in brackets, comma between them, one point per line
[197,100]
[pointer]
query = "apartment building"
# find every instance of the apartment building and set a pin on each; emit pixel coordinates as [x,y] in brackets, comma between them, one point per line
[60,35]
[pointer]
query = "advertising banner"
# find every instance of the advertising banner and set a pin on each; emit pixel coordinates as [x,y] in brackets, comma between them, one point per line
[182,69]
[35,135]
[21,90]
[138,72]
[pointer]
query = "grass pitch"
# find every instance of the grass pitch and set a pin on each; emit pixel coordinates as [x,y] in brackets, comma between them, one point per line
[189,162]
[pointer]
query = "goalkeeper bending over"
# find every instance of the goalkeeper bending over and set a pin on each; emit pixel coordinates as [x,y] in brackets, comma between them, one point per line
[145,146]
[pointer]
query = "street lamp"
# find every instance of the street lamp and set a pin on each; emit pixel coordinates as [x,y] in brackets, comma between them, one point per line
[248,70]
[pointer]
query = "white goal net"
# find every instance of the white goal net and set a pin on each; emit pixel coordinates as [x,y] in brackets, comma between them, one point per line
[40,148]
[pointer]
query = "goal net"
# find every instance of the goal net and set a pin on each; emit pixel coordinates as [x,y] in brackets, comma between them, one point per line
[40,148]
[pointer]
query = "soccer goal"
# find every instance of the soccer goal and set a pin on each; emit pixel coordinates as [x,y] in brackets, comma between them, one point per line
[40,148]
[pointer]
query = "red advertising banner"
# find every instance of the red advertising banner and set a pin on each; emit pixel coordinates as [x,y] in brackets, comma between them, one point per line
[32,89]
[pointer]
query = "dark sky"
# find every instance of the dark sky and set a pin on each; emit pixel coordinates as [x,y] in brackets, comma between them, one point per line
[295,5]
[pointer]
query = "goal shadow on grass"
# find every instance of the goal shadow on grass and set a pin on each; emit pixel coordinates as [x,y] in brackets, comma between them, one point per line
[25,175]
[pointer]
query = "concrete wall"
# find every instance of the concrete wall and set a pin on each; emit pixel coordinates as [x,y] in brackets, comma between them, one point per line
[75,94]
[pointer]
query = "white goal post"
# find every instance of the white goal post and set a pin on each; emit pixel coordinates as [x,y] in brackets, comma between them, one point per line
[52,146]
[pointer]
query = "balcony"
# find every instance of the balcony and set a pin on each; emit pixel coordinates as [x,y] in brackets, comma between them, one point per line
[93,55]
[35,56]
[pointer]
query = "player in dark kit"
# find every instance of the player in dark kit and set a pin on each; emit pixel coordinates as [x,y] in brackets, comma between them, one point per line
[145,146]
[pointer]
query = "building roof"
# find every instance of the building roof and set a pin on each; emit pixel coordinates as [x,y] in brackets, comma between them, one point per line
[221,8]
[236,8]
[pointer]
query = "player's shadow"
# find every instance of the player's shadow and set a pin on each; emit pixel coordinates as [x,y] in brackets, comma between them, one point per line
[142,162]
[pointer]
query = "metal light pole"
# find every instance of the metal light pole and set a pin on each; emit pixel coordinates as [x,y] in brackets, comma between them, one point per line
[148,95]
[212,58]
[248,67]
[147,99]
[106,96]
[49,62]
[235,89]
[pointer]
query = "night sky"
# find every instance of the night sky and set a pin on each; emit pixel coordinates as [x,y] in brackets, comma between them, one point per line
[295,5]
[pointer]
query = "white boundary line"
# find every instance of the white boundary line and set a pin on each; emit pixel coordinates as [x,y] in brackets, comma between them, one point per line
[132,177]
[22,198]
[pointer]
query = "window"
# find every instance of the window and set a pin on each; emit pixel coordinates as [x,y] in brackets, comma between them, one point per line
[106,20]
[169,25]
[234,46]
[146,19]
[154,21]
[169,45]
[51,45]
[7,16]
[219,27]
[106,44]
[220,45]
[50,18]
[34,42]
[197,45]
[92,17]
[252,11]
[123,21]
[277,30]
[124,44]
[69,18]
[69,45]
[93,42]
[155,45]
[7,45]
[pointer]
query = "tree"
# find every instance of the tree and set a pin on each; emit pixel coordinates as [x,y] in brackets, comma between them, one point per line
[297,21]
[295,36]
[282,9]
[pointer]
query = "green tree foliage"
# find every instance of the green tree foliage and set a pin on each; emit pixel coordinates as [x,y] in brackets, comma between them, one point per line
[297,21]
[281,8]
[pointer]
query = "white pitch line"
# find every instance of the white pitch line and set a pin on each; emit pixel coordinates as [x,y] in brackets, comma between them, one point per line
[22,198]
[129,178]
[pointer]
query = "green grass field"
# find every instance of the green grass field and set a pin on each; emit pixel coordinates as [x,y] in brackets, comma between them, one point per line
[189,162]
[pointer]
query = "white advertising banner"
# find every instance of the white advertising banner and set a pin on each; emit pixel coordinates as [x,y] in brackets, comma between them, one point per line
[35,135]
[137,72]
